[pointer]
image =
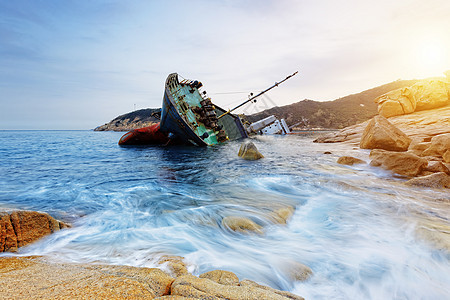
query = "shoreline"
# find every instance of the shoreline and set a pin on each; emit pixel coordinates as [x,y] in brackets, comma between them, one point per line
[172,280]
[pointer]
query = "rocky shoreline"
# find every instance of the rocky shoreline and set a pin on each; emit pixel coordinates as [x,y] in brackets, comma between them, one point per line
[414,146]
[39,277]
[25,277]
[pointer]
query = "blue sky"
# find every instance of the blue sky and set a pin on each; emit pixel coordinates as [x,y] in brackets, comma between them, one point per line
[78,64]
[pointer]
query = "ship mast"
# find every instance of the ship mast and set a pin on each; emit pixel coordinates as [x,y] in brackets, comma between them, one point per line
[254,97]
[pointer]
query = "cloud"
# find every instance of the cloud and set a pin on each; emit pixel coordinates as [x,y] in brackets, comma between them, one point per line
[97,59]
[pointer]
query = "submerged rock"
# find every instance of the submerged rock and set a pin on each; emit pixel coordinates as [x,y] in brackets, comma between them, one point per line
[381,134]
[20,228]
[296,271]
[281,215]
[249,151]
[349,160]
[241,224]
[435,180]
[402,163]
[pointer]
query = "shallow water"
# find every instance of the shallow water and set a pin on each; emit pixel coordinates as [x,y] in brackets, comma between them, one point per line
[364,234]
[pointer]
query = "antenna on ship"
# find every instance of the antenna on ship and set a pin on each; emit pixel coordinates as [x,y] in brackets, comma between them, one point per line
[254,97]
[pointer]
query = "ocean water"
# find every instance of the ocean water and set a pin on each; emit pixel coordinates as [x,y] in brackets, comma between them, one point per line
[363,232]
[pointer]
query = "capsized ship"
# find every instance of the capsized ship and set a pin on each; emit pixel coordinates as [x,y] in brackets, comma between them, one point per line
[188,114]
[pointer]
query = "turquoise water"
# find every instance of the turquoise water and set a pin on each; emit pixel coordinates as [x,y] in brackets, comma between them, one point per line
[358,228]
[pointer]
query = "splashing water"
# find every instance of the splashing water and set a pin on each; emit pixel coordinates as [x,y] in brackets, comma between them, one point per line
[363,232]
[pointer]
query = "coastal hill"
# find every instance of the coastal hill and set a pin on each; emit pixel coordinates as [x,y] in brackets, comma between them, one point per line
[335,114]
[133,120]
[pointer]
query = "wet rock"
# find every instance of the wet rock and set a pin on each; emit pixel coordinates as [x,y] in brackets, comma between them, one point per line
[241,224]
[203,288]
[397,102]
[221,277]
[36,278]
[435,180]
[8,238]
[249,151]
[349,160]
[296,271]
[438,146]
[381,134]
[20,228]
[281,215]
[436,167]
[402,163]
[174,264]
[436,232]
[287,295]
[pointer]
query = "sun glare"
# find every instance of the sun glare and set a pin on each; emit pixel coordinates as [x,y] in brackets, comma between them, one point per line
[432,54]
[432,57]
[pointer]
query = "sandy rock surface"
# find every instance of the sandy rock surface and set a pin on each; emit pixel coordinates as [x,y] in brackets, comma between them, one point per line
[381,134]
[36,278]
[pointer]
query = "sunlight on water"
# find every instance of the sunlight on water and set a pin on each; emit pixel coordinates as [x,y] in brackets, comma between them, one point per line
[364,234]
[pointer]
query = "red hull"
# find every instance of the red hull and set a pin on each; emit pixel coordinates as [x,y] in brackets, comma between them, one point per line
[150,135]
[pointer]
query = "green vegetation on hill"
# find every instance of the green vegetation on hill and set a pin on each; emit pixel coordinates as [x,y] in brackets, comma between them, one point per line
[339,113]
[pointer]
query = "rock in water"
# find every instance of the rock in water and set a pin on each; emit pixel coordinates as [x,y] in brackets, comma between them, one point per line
[381,134]
[281,215]
[174,264]
[20,228]
[295,271]
[8,238]
[249,151]
[436,180]
[402,163]
[241,224]
[349,160]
